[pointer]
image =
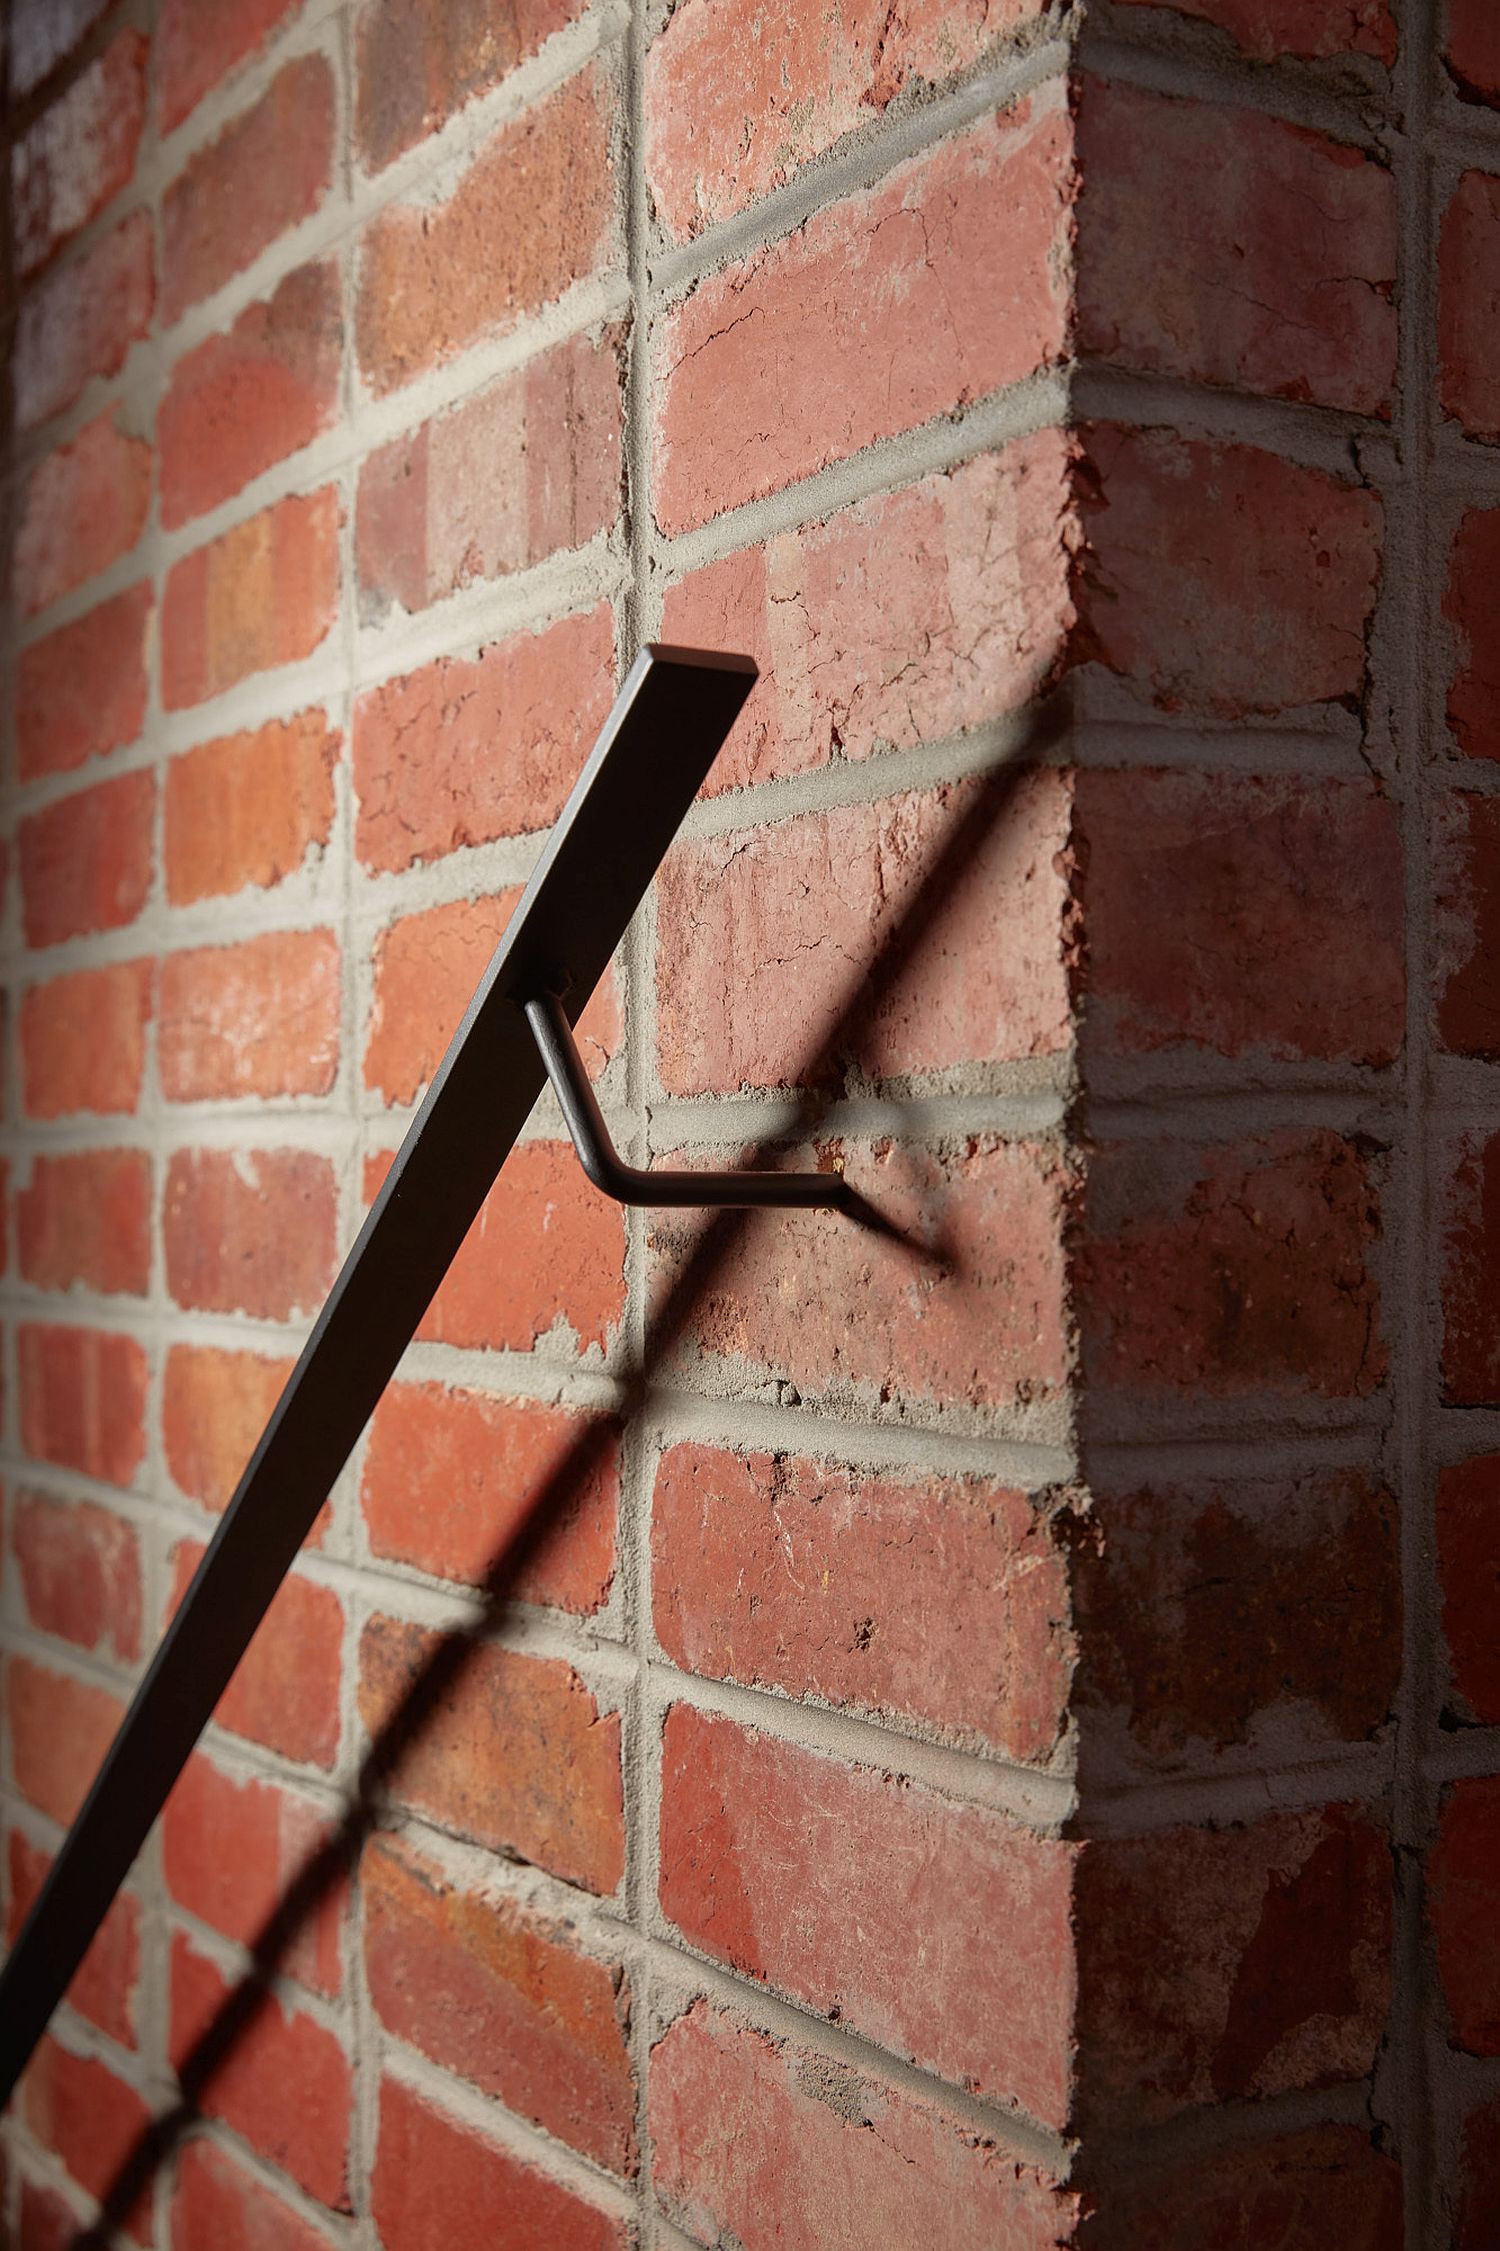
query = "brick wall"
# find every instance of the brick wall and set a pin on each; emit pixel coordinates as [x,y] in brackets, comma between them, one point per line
[980,1738]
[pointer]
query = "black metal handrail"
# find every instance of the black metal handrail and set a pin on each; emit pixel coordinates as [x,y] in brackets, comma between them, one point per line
[671,718]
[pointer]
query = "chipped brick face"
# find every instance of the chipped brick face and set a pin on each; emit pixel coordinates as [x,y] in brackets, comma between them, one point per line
[965,1729]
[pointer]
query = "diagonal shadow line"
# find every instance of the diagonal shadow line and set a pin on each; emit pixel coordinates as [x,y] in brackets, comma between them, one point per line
[989,799]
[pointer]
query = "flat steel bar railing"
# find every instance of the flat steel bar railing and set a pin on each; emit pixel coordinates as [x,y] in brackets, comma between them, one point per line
[673,713]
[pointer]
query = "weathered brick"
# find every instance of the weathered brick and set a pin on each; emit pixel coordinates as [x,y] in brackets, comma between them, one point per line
[762,2143]
[1470,1220]
[43,33]
[771,944]
[1468,605]
[496,1992]
[60,1729]
[1473,58]
[1221,1964]
[427,967]
[218,2203]
[1467,925]
[271,167]
[83,1399]
[469,1487]
[262,594]
[1300,2192]
[1468,380]
[215,1404]
[249,808]
[277,1835]
[812,1876]
[250,1233]
[919,614]
[1210,1611]
[775,1571]
[507,478]
[285,1692]
[532,214]
[420,61]
[86,859]
[1283,267]
[83,1040]
[1224,580]
[246,399]
[80,152]
[959,1305]
[473,748]
[1222,1272]
[1247,876]
[82,507]
[104,1986]
[76,2106]
[80,1571]
[437,2184]
[1468,1549]
[1477,2217]
[511,1750]
[81,322]
[198,42]
[259,1018]
[81,691]
[85,1216]
[927,292]
[1268,29]
[1463,1893]
[285,2083]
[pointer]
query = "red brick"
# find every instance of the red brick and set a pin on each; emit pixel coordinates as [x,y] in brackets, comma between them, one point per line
[1473,57]
[1467,925]
[561,1277]
[104,1986]
[1463,1894]
[1221,1964]
[1300,2192]
[80,152]
[511,1750]
[48,2221]
[731,115]
[436,2184]
[496,1992]
[215,1404]
[469,1487]
[1468,1548]
[60,1729]
[249,808]
[771,943]
[83,1040]
[1471,1305]
[80,1573]
[1268,29]
[44,33]
[775,1571]
[285,2084]
[1211,1613]
[250,1233]
[916,615]
[1468,605]
[198,42]
[814,1876]
[260,1018]
[81,691]
[246,399]
[420,61]
[271,167]
[1469,303]
[81,322]
[1478,2206]
[77,2107]
[285,1693]
[85,1216]
[86,859]
[533,213]
[960,1305]
[1246,875]
[469,749]
[218,2205]
[504,480]
[1223,580]
[277,1835]
[1283,267]
[82,507]
[427,967]
[265,593]
[927,292]
[762,2143]
[83,1400]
